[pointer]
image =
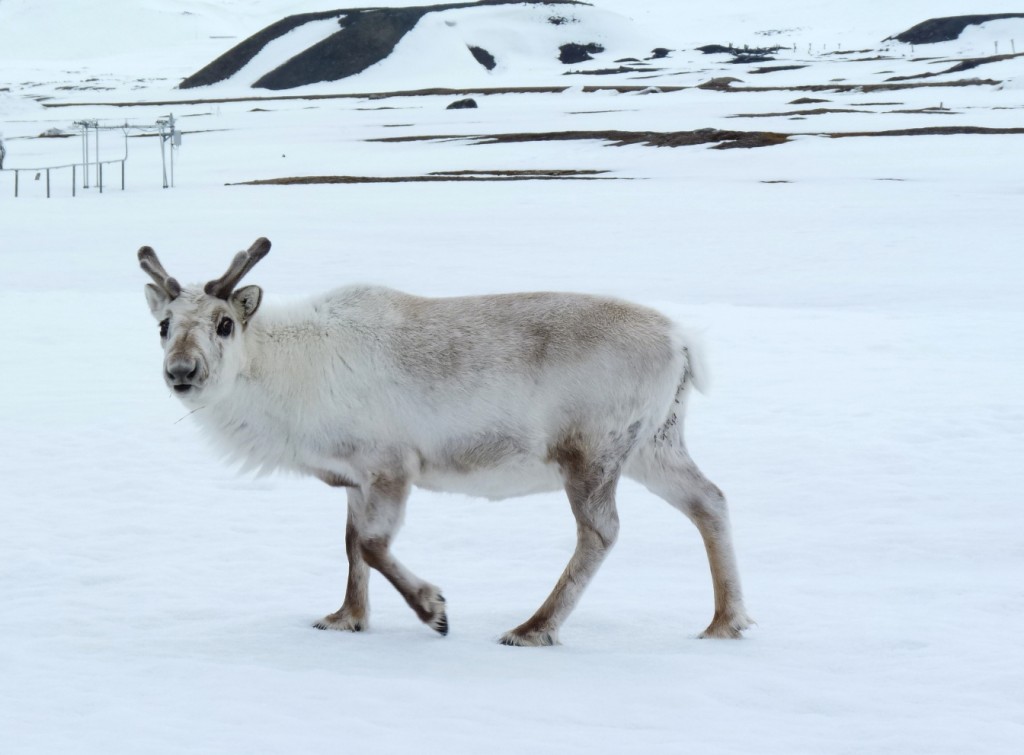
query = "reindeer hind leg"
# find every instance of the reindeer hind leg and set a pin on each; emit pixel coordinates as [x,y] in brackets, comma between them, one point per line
[670,473]
[590,482]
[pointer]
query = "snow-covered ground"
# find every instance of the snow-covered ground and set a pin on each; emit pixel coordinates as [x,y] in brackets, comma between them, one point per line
[861,299]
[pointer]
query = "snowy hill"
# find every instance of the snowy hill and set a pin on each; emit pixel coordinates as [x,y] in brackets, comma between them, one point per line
[510,39]
[500,37]
[837,219]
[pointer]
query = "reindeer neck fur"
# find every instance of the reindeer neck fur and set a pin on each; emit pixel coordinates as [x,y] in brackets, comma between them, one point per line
[296,399]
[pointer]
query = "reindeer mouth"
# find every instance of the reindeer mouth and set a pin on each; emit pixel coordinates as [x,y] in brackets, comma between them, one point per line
[183,388]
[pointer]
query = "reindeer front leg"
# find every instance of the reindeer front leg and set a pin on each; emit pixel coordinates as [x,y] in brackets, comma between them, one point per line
[375,512]
[354,614]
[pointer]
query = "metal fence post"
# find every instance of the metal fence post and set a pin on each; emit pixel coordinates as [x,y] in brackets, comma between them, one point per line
[17,174]
[99,171]
[47,183]
[85,155]
[163,157]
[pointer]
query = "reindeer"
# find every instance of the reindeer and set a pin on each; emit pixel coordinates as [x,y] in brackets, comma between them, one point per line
[378,391]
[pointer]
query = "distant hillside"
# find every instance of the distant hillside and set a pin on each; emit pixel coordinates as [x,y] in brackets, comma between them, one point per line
[945,29]
[367,36]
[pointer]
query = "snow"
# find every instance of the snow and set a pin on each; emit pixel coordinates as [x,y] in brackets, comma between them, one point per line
[523,42]
[863,319]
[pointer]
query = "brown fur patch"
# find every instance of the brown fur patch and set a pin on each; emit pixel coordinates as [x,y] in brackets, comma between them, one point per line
[390,488]
[335,480]
[569,454]
[356,588]
[375,551]
[540,341]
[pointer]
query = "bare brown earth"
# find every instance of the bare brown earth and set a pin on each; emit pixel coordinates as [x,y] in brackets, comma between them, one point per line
[722,84]
[450,175]
[722,139]
[932,131]
[800,113]
[726,85]
[774,69]
[963,65]
[719,138]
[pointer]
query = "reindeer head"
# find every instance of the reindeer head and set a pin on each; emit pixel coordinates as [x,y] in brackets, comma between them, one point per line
[202,330]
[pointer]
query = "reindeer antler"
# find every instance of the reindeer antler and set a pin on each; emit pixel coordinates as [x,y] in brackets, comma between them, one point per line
[240,265]
[149,262]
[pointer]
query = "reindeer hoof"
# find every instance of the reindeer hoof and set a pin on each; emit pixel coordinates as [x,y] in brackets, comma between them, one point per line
[341,622]
[725,629]
[429,605]
[528,639]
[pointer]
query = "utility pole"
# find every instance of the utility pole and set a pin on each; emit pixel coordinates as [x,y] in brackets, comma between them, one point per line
[85,125]
[168,132]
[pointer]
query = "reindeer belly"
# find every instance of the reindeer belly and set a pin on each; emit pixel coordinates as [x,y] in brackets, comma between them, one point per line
[516,478]
[492,465]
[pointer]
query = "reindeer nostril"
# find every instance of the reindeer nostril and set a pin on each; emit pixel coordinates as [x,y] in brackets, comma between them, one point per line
[182,371]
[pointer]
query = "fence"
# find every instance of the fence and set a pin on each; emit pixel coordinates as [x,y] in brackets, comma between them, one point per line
[164,129]
[74,175]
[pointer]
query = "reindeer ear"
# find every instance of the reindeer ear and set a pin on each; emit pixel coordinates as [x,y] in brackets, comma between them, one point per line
[247,299]
[157,299]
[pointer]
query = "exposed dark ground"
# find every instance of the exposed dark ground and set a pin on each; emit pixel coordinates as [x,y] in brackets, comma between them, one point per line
[717,138]
[448,175]
[721,139]
[946,28]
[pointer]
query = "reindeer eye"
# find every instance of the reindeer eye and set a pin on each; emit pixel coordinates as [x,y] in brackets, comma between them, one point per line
[225,326]
[164,325]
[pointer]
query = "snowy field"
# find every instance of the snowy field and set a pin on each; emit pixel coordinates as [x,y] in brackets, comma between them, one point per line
[860,299]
